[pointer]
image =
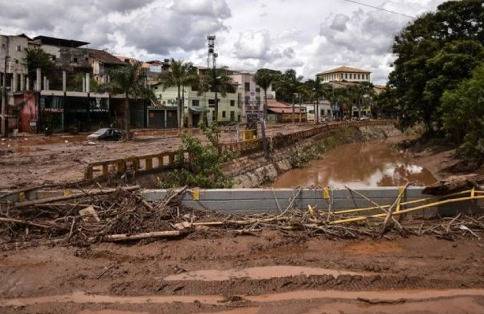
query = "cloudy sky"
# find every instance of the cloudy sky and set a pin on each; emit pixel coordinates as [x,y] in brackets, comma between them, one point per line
[307,35]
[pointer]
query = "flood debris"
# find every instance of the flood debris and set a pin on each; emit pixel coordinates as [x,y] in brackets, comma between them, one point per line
[121,214]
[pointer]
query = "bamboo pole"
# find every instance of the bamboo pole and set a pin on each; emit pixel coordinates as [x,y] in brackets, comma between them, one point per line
[409,210]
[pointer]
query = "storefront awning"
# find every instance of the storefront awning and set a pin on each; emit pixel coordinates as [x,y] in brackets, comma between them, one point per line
[197,109]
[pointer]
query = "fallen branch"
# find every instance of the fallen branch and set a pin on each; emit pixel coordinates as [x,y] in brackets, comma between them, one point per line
[70,197]
[23,222]
[139,236]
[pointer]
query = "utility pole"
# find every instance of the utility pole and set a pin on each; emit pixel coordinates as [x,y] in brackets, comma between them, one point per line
[212,63]
[3,118]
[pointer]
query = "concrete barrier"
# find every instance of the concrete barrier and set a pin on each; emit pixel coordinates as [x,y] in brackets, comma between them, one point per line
[269,200]
[275,200]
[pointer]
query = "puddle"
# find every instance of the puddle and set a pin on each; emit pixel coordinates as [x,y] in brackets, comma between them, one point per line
[109,312]
[451,305]
[259,273]
[358,165]
[83,297]
[300,295]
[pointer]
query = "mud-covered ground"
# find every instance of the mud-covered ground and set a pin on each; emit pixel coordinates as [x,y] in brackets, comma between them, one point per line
[268,272]
[37,159]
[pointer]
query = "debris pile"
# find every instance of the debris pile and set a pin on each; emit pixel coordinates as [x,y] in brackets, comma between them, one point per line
[123,215]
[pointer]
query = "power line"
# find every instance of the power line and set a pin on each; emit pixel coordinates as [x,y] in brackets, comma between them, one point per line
[381,9]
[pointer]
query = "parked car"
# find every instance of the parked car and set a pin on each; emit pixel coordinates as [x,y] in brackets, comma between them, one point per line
[106,134]
[363,118]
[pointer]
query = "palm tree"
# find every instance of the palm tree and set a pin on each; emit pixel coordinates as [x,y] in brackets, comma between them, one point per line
[264,79]
[129,80]
[286,86]
[180,74]
[220,82]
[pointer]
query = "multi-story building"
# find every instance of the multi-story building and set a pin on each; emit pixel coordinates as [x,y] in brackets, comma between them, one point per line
[13,77]
[344,73]
[345,77]
[197,106]
[12,61]
[249,94]
[63,99]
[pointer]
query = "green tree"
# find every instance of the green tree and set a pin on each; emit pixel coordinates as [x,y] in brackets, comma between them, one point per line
[463,115]
[204,165]
[180,74]
[36,58]
[129,80]
[435,53]
[386,104]
[222,83]
[287,85]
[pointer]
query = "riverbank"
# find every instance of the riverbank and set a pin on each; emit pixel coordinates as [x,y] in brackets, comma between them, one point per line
[438,157]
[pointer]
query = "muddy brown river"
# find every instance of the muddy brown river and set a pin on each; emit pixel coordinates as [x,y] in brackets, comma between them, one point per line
[358,165]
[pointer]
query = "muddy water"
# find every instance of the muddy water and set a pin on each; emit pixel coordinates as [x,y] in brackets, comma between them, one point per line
[260,273]
[358,165]
[393,295]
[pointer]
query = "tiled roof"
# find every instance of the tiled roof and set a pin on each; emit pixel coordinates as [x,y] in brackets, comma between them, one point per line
[345,69]
[280,107]
[103,56]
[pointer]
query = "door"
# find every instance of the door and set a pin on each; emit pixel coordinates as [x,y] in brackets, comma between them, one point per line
[172,120]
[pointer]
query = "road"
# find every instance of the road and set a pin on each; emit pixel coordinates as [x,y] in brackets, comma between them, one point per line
[271,272]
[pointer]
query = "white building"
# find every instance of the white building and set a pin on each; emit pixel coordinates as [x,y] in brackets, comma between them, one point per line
[344,74]
[325,111]
[249,94]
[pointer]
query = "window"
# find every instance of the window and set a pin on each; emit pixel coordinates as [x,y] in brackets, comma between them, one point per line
[257,89]
[53,58]
[232,103]
[232,116]
[74,60]
[224,114]
[195,102]
[19,48]
[329,112]
[211,103]
[257,101]
[247,100]
[346,76]
[247,87]
[238,117]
